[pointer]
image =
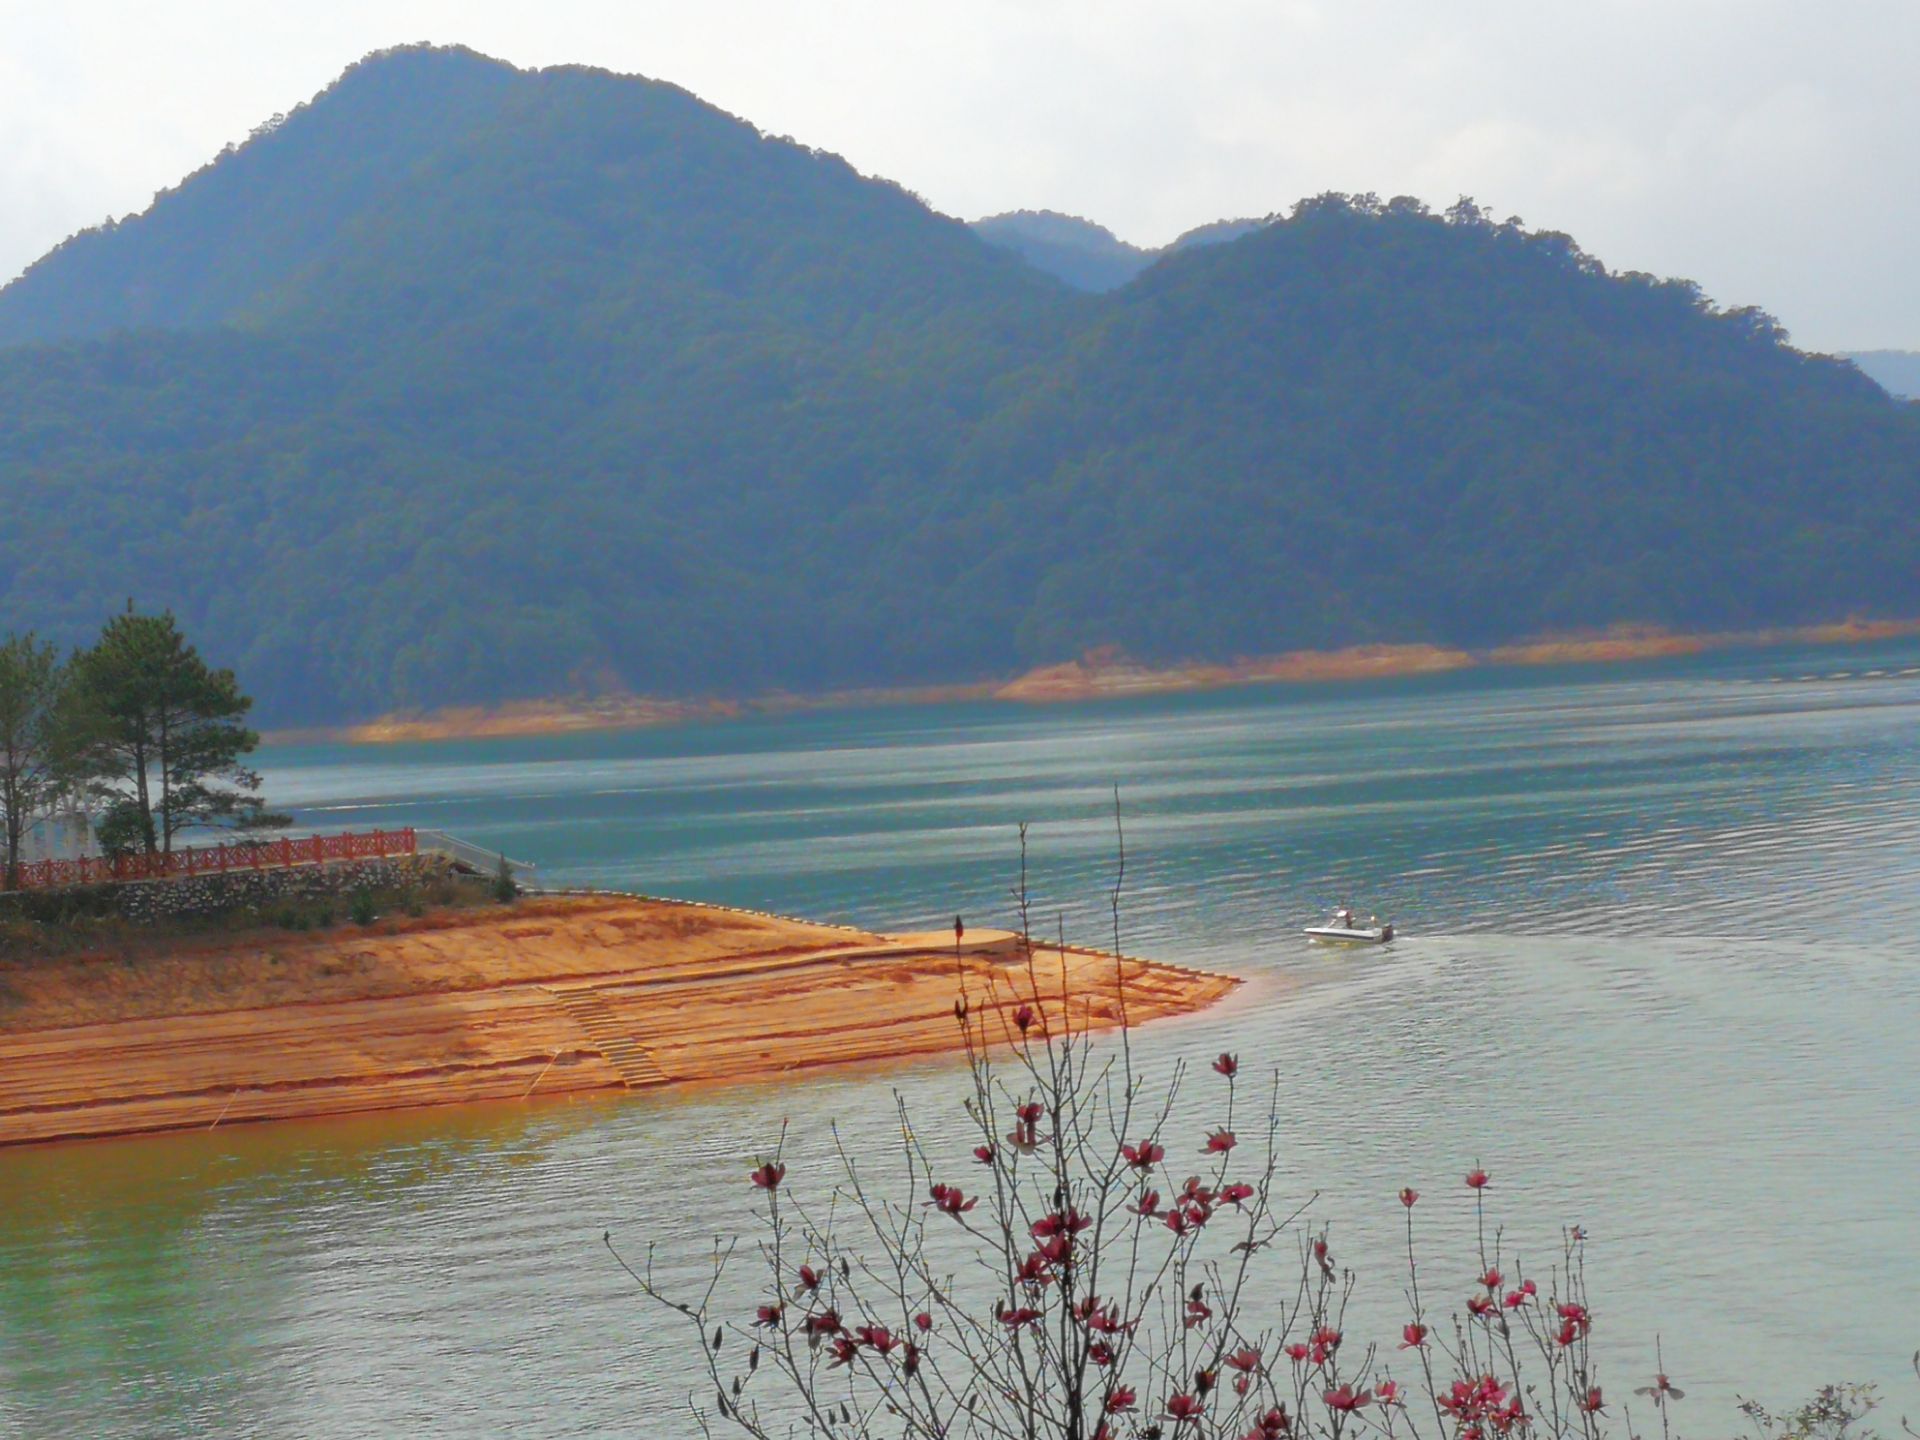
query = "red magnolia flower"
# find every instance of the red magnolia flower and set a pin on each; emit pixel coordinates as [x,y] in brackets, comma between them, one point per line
[1593,1404]
[1025,1135]
[1121,1400]
[984,1154]
[1013,1319]
[1227,1065]
[1034,1270]
[1177,1222]
[1025,1018]
[1198,1312]
[1219,1143]
[809,1279]
[1473,1401]
[1575,1320]
[1479,1306]
[923,1321]
[1067,1222]
[1184,1408]
[1408,1195]
[1145,1155]
[877,1337]
[1147,1205]
[1106,1321]
[1414,1335]
[1100,1353]
[843,1352]
[827,1322]
[912,1358]
[948,1200]
[1246,1361]
[1477,1179]
[1517,1298]
[769,1176]
[1346,1399]
[1387,1392]
[1491,1279]
[1271,1426]
[1297,1353]
[1662,1390]
[767,1315]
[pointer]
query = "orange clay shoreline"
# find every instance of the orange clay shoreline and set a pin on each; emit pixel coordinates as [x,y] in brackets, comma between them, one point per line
[1101,674]
[560,994]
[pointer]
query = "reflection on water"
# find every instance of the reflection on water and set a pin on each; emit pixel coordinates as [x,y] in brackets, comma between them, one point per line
[1659,977]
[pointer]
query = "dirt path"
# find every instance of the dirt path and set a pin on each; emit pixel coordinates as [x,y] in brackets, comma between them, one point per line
[559,994]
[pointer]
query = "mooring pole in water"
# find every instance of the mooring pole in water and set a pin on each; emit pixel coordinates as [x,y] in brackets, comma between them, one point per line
[223,1110]
[543,1073]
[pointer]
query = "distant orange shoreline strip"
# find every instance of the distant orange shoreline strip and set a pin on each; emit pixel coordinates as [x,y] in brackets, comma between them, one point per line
[1100,675]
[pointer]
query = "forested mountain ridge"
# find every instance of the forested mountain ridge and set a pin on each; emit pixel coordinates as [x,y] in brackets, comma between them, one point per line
[586,384]
[1085,255]
[1896,371]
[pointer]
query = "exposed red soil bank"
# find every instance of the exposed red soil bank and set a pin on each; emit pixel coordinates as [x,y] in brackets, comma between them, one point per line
[1103,674]
[559,994]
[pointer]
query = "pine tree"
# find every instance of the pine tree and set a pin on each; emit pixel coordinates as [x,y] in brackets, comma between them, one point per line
[159,736]
[32,776]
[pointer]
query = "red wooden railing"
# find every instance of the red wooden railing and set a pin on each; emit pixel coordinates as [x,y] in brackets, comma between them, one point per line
[260,854]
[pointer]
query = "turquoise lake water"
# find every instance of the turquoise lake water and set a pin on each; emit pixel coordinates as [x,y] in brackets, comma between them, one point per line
[1659,975]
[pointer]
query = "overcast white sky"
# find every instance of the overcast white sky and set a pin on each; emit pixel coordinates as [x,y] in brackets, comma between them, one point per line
[1769,149]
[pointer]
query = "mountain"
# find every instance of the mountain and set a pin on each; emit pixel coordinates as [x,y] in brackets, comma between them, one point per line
[1085,255]
[1895,371]
[462,383]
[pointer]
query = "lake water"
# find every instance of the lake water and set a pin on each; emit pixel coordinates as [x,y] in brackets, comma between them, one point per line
[1659,975]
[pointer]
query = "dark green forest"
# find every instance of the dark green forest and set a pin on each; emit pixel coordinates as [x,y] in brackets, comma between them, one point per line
[462,383]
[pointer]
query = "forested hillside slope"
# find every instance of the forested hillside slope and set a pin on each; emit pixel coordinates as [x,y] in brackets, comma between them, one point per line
[463,383]
[1896,371]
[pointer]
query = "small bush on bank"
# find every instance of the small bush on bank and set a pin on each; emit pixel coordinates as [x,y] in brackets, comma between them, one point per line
[505,888]
[361,909]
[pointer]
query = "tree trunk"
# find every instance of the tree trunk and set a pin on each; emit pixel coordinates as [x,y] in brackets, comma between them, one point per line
[146,805]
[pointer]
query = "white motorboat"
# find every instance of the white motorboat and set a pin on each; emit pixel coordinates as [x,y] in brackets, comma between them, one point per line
[1351,928]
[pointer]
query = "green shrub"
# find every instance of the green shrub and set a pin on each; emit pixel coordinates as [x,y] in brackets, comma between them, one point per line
[361,908]
[505,888]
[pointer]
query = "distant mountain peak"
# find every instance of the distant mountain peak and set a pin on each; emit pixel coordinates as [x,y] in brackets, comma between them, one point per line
[1087,255]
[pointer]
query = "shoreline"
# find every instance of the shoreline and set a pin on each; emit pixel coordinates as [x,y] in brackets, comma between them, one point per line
[1099,675]
[559,994]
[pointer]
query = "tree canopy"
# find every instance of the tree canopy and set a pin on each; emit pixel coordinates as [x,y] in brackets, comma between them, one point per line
[463,384]
[157,735]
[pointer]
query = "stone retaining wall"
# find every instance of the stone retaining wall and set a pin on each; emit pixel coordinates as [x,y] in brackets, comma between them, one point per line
[262,890]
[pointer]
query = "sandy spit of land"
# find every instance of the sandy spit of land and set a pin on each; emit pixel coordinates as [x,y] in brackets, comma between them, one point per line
[557,994]
[1100,674]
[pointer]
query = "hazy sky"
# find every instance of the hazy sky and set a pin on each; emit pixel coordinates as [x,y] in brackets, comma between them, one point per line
[1769,149]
